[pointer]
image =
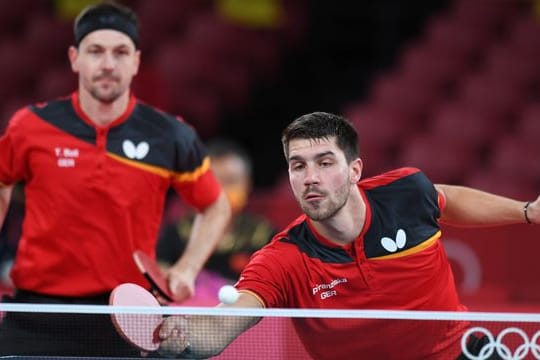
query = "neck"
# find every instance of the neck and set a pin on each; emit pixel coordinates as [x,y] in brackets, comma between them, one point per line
[348,223]
[103,113]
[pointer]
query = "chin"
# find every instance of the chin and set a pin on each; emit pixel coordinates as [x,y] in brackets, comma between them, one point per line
[315,215]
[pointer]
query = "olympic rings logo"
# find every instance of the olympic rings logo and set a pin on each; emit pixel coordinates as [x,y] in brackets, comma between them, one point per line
[496,344]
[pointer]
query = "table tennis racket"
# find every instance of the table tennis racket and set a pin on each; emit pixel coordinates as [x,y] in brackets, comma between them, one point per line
[153,274]
[140,330]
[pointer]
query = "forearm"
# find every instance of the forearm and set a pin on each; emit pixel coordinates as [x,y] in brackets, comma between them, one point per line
[5,197]
[207,229]
[204,336]
[209,335]
[470,207]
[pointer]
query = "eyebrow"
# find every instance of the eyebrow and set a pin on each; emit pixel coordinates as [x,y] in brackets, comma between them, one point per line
[114,47]
[317,156]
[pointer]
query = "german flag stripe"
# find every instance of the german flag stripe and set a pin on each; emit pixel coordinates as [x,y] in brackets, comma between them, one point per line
[165,173]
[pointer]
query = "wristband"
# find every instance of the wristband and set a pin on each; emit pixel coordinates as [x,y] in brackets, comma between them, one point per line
[525,212]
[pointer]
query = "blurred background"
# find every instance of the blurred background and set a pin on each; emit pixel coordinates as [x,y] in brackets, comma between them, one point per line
[449,86]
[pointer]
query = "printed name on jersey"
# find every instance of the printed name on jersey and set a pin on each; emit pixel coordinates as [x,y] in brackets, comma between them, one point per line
[133,151]
[65,157]
[392,245]
[328,288]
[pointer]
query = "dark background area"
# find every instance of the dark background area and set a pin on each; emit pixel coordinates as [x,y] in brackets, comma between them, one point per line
[346,45]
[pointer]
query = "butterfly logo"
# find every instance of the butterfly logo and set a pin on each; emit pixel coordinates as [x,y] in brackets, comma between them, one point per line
[392,245]
[133,151]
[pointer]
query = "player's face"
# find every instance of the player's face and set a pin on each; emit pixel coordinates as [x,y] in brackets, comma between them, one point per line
[320,177]
[106,62]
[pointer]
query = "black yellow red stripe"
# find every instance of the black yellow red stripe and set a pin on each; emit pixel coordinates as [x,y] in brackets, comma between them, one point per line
[195,174]
[159,171]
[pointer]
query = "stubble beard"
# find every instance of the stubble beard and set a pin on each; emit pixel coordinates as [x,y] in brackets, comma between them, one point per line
[319,212]
[105,97]
[108,95]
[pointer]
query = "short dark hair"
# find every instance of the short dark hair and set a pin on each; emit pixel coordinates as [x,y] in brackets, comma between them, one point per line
[221,147]
[106,15]
[322,125]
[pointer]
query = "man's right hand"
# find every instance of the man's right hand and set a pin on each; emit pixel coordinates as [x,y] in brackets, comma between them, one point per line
[173,335]
[181,283]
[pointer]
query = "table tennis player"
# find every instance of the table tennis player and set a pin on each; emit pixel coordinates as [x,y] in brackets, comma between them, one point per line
[97,165]
[373,243]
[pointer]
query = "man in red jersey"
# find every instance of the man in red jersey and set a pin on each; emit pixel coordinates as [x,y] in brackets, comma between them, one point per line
[361,244]
[97,166]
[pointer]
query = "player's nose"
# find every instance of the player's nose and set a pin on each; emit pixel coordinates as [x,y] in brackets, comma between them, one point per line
[311,176]
[108,61]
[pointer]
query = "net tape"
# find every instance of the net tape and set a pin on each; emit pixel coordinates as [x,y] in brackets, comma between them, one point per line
[529,346]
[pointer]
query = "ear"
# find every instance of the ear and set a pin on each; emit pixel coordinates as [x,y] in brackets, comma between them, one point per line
[356,168]
[73,54]
[137,61]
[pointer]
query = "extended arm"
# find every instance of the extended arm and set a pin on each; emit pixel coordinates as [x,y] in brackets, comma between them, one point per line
[5,197]
[204,336]
[208,227]
[470,207]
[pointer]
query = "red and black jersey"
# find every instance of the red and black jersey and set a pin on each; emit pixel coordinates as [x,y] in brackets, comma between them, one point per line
[397,262]
[94,194]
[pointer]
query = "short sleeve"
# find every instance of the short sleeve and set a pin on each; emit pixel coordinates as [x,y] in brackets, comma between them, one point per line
[193,179]
[265,277]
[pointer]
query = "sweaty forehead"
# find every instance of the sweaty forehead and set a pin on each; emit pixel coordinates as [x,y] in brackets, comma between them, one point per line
[107,38]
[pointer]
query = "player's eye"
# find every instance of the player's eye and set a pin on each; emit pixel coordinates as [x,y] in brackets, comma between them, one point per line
[121,52]
[95,51]
[326,163]
[297,166]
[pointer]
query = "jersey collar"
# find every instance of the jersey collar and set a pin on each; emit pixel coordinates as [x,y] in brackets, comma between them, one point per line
[122,118]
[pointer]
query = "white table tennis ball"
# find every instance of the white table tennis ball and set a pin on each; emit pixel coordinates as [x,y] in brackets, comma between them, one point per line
[228,294]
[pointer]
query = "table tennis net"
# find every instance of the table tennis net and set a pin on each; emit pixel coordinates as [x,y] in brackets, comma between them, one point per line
[85,331]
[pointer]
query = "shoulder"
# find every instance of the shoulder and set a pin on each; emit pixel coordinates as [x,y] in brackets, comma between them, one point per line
[275,260]
[59,107]
[22,119]
[279,251]
[160,124]
[402,179]
[406,191]
[18,118]
[161,119]
[390,177]
[41,109]
[299,242]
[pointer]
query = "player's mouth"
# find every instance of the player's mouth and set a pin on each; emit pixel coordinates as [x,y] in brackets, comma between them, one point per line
[313,196]
[106,79]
